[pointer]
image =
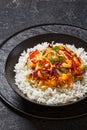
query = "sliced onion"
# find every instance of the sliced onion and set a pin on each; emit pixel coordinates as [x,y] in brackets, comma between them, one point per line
[52,71]
[35,74]
[81,73]
[58,63]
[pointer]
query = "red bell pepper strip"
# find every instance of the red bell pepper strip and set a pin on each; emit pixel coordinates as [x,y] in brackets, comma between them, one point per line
[32,56]
[68,55]
[34,60]
[74,65]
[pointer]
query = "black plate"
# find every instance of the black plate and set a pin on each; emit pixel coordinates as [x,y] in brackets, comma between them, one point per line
[20,104]
[31,42]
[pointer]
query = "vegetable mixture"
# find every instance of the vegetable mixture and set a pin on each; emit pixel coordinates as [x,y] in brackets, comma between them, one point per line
[54,66]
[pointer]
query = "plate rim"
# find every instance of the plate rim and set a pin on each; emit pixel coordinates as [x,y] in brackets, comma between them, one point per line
[24,114]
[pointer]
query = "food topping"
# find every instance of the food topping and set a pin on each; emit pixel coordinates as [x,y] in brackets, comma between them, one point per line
[55,66]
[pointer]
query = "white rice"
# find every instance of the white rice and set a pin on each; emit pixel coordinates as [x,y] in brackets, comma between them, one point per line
[49,96]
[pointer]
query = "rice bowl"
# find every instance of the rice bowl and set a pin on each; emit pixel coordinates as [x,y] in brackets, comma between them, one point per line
[49,96]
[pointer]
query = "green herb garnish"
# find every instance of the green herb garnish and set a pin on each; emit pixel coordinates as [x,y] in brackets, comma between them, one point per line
[74,77]
[32,83]
[43,53]
[53,60]
[64,70]
[81,78]
[60,59]
[55,48]
[85,67]
[43,72]
[39,65]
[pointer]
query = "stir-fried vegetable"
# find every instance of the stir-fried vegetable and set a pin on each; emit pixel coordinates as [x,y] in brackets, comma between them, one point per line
[60,59]
[55,66]
[33,55]
[53,60]
[63,70]
[43,53]
[55,48]
[85,67]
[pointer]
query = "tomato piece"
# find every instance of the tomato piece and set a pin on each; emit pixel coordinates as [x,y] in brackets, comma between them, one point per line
[32,54]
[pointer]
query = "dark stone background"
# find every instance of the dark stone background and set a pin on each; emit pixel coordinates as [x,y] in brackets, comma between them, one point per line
[18,14]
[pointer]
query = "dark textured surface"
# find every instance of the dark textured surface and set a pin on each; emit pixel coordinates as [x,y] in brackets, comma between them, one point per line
[18,14]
